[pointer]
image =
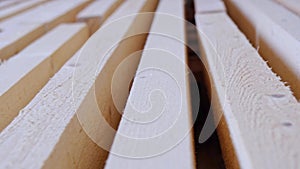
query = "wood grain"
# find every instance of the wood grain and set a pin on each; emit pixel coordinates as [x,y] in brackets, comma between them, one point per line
[279,48]
[19,31]
[47,132]
[97,12]
[260,114]
[154,131]
[27,72]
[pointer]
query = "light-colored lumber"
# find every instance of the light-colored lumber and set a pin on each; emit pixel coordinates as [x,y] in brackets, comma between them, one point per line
[20,30]
[279,48]
[292,5]
[260,124]
[166,141]
[26,73]
[8,3]
[47,132]
[18,8]
[289,21]
[209,6]
[97,12]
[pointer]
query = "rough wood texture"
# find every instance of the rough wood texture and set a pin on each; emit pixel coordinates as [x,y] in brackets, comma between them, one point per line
[47,133]
[27,72]
[19,31]
[289,21]
[166,141]
[205,6]
[292,5]
[97,12]
[260,114]
[276,46]
[19,8]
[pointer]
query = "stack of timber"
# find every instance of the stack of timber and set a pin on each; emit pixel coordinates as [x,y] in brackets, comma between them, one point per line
[257,114]
[105,83]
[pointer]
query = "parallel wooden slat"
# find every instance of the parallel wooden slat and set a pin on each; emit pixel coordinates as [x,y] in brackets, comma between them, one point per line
[8,3]
[293,5]
[19,31]
[276,46]
[97,12]
[26,73]
[47,133]
[19,8]
[201,6]
[166,141]
[289,21]
[260,115]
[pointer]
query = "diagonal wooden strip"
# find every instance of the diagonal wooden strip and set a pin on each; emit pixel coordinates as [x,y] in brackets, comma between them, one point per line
[6,4]
[209,6]
[260,114]
[276,46]
[289,21]
[24,75]
[19,8]
[19,31]
[47,133]
[292,5]
[97,12]
[157,134]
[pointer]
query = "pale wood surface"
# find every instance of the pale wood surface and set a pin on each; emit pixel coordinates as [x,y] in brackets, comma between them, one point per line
[292,5]
[205,6]
[9,3]
[24,75]
[47,133]
[289,21]
[19,8]
[167,141]
[279,48]
[97,12]
[260,115]
[19,31]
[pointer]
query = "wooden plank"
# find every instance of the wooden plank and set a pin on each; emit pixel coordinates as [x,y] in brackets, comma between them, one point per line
[166,141]
[19,8]
[202,6]
[276,46]
[27,72]
[289,21]
[19,31]
[260,115]
[52,136]
[97,12]
[9,3]
[292,5]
